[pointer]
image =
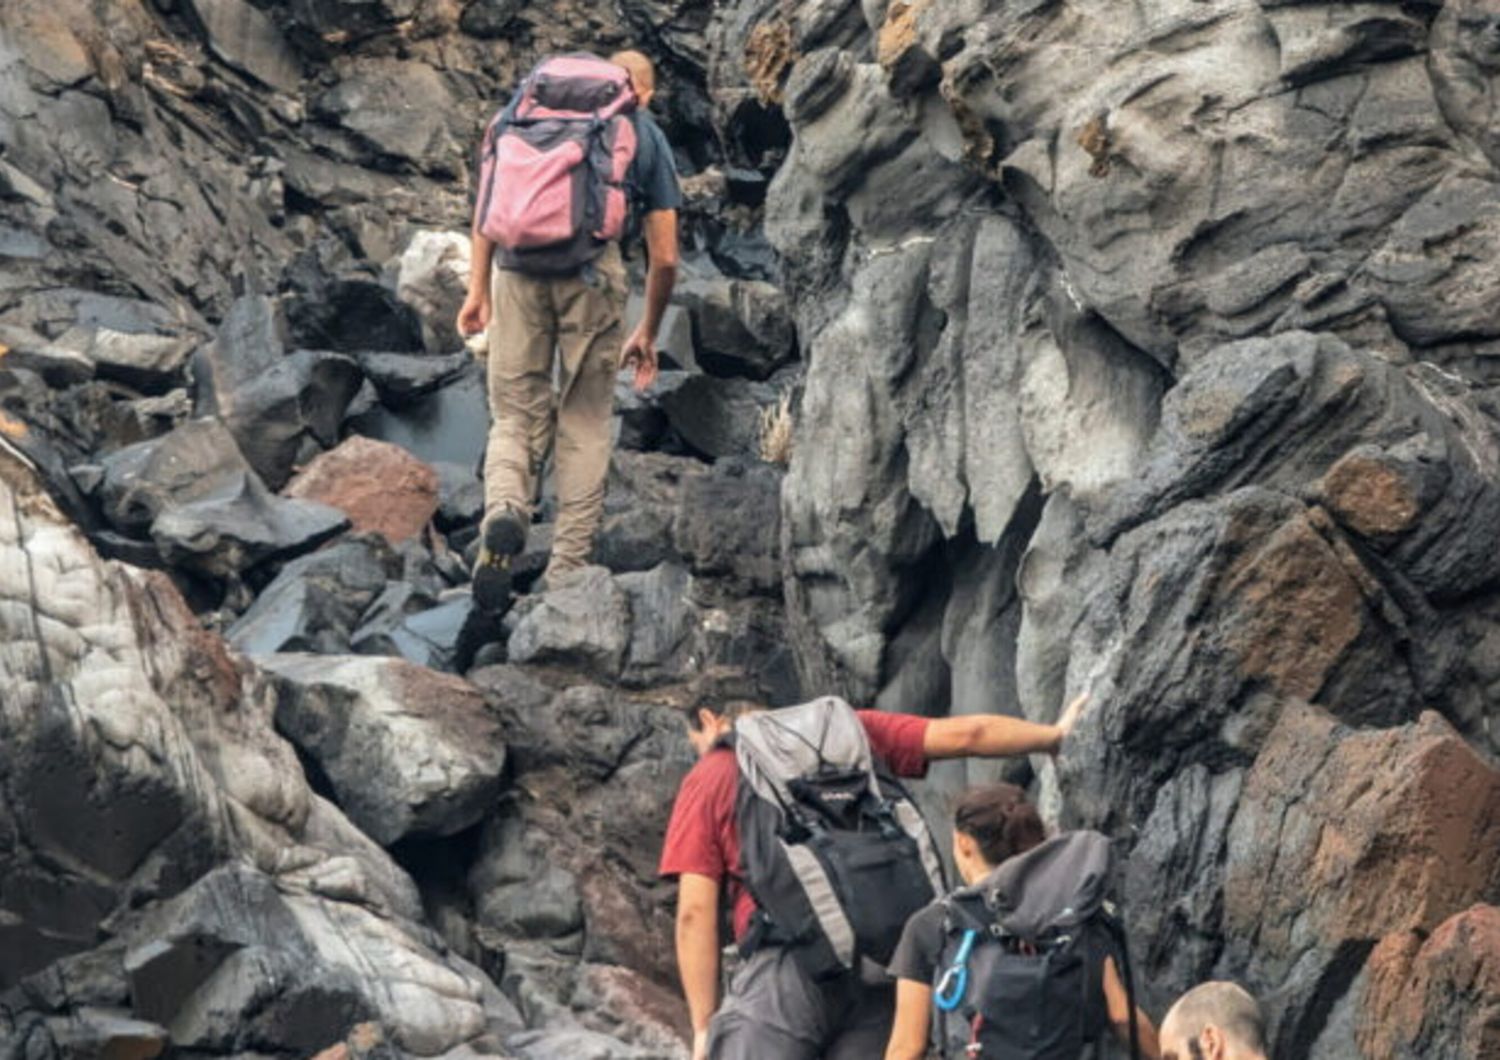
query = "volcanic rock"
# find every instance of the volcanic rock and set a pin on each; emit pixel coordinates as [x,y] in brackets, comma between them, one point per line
[379,486]
[407,751]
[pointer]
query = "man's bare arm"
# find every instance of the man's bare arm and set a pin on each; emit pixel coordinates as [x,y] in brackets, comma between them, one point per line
[661,277]
[474,317]
[998,735]
[698,949]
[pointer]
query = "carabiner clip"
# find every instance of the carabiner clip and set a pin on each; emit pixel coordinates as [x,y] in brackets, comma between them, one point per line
[955,981]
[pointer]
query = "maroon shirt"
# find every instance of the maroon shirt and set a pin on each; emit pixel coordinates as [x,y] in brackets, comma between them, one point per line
[702,836]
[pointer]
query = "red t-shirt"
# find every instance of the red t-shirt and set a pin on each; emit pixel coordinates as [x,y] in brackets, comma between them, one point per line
[702,837]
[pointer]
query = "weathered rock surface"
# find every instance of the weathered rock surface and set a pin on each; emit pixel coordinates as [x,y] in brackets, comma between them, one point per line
[408,752]
[140,759]
[1436,992]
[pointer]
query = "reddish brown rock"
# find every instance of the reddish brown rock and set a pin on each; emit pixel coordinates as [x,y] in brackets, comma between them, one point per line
[1371,496]
[380,486]
[1440,997]
[1344,836]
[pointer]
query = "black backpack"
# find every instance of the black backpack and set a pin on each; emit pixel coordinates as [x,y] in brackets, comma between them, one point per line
[834,850]
[1021,976]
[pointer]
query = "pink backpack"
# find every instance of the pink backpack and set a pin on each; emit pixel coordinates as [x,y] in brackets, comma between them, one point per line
[552,169]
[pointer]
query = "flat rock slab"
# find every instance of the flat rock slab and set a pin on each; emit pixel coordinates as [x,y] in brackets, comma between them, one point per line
[408,751]
[381,488]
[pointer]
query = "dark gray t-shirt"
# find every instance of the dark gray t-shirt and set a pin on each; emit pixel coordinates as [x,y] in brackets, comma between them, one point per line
[921,946]
[652,176]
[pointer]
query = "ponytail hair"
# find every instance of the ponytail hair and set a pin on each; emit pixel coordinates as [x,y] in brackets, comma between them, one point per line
[1000,820]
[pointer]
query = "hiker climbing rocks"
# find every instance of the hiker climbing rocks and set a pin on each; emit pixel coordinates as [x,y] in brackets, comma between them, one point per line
[1214,1021]
[1021,960]
[562,168]
[795,821]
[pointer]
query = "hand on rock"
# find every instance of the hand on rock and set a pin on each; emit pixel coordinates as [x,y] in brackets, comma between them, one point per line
[1069,718]
[700,1045]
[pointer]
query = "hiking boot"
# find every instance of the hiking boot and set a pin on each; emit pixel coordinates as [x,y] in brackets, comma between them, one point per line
[502,537]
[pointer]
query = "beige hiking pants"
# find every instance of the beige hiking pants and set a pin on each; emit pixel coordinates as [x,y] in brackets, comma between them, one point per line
[577,319]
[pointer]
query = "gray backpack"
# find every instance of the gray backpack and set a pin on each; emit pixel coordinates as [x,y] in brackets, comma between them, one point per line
[1022,968]
[834,850]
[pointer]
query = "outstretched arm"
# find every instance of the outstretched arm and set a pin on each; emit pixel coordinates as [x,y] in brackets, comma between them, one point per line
[998,735]
[698,952]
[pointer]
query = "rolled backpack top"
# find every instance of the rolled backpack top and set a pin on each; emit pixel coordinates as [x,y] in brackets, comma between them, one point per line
[553,165]
[834,850]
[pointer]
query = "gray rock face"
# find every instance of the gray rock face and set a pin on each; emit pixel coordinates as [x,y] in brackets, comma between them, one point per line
[1110,388]
[396,110]
[408,752]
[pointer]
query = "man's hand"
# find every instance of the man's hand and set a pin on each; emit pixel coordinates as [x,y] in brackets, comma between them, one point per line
[700,1045]
[474,317]
[1069,718]
[639,353]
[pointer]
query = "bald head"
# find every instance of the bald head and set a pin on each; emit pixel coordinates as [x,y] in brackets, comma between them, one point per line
[1215,1021]
[642,73]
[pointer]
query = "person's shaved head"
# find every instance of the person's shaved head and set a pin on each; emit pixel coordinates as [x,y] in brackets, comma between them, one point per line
[1215,1021]
[642,73]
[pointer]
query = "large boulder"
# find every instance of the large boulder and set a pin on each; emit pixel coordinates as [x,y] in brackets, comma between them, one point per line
[408,752]
[236,961]
[585,621]
[291,411]
[448,424]
[727,524]
[720,417]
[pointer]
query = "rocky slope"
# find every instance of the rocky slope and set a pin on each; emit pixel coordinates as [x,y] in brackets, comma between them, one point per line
[1143,350]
